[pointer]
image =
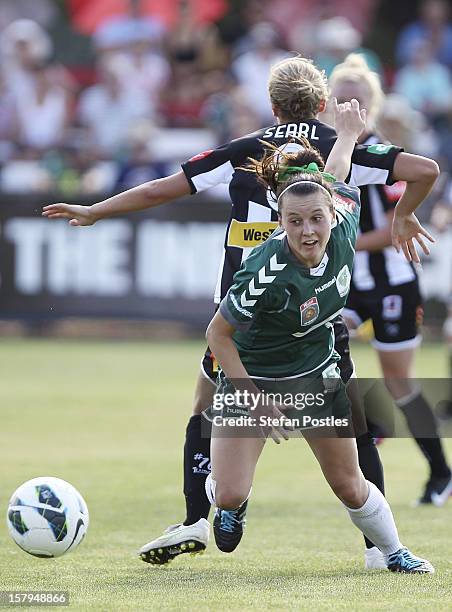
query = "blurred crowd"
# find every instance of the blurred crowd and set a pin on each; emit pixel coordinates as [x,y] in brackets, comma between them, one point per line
[166,84]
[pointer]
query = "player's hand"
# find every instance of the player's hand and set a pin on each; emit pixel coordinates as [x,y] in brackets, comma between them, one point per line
[405,230]
[272,413]
[77,215]
[349,118]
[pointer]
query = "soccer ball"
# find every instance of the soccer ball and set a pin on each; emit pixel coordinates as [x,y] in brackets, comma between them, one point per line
[47,517]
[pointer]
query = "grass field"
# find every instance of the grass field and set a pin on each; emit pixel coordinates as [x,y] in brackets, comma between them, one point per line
[110,418]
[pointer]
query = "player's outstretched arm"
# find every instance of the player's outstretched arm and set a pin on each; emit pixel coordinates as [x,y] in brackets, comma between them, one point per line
[420,174]
[144,196]
[349,122]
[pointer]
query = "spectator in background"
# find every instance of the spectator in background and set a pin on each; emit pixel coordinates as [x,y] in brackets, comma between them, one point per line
[193,43]
[40,91]
[434,27]
[425,83]
[184,97]
[109,108]
[138,39]
[115,33]
[44,113]
[138,164]
[26,46]
[406,127]
[336,38]
[43,12]
[227,110]
[298,20]
[251,69]
[148,71]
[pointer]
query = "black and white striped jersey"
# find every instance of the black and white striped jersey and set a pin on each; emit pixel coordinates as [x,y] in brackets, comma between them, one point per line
[254,212]
[386,267]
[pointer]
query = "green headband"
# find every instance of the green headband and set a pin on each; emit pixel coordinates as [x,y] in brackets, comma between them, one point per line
[311,168]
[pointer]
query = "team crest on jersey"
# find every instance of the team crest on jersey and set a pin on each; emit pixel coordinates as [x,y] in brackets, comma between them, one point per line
[344,202]
[343,281]
[309,311]
[201,155]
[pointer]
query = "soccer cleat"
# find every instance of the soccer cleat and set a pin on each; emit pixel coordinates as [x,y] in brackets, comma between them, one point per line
[404,562]
[177,540]
[228,526]
[437,491]
[374,559]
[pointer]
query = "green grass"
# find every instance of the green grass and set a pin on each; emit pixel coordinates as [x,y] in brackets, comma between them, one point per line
[110,418]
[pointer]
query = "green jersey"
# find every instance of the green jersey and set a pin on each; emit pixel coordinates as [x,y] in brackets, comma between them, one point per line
[283,311]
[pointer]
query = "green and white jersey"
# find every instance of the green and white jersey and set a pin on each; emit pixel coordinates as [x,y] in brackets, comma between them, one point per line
[283,311]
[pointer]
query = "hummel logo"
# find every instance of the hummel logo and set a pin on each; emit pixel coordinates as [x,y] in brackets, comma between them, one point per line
[325,285]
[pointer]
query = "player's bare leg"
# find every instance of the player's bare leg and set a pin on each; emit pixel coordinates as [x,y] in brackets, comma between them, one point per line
[234,461]
[366,505]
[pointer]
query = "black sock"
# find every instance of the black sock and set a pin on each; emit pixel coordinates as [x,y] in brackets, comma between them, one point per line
[371,467]
[196,469]
[422,425]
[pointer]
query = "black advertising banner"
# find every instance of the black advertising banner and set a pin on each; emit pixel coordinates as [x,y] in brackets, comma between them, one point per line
[162,263]
[156,264]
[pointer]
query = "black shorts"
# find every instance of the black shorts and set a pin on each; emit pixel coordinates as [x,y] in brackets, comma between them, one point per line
[209,365]
[396,314]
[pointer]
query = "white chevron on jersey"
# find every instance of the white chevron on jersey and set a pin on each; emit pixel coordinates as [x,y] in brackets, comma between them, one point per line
[253,290]
[263,278]
[245,302]
[275,266]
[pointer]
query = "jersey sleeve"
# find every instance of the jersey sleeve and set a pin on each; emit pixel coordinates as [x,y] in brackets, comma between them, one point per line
[253,292]
[209,168]
[347,203]
[373,164]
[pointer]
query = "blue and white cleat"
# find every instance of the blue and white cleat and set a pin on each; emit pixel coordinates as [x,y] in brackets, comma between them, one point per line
[404,562]
[228,526]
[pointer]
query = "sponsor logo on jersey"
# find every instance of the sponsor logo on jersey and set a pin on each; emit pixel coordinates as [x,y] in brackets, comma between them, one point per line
[244,234]
[344,202]
[379,149]
[343,281]
[201,155]
[309,311]
[325,285]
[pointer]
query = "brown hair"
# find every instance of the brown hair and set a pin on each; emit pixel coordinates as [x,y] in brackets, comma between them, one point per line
[296,88]
[274,170]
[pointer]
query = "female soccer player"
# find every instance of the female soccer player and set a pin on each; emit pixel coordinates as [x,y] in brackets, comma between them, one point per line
[385,288]
[274,327]
[298,92]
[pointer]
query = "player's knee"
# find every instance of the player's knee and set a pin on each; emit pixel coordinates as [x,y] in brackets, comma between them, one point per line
[350,491]
[229,498]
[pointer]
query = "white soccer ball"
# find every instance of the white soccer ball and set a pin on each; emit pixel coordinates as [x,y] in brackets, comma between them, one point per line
[47,517]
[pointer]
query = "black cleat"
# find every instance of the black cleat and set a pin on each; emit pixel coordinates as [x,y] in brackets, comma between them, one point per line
[228,526]
[437,491]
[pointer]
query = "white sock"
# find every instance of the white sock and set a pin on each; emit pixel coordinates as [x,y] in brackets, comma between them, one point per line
[376,522]
[210,485]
